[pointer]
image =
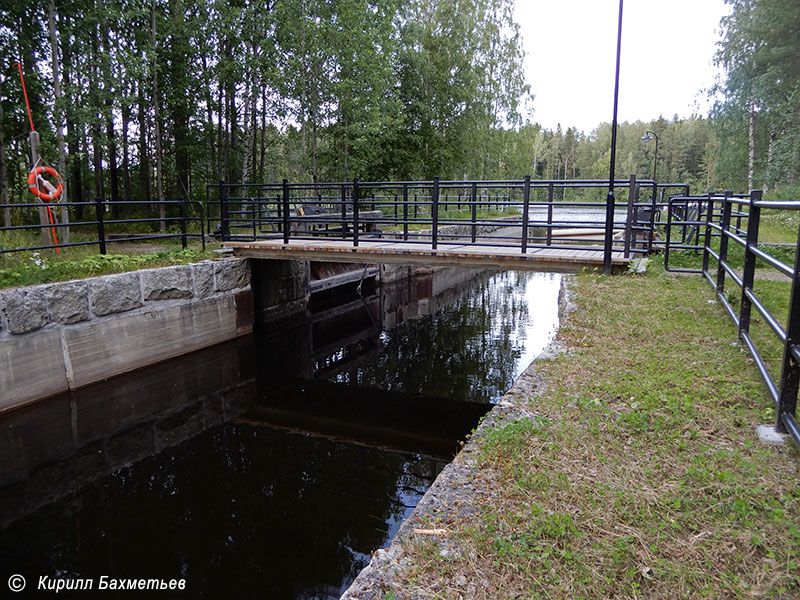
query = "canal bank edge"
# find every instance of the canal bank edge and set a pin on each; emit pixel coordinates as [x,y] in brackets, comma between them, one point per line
[459,489]
[61,336]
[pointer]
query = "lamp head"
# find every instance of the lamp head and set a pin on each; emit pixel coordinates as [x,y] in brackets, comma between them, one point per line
[647,137]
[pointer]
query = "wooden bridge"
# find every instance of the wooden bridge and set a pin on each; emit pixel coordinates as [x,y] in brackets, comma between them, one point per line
[516,224]
[554,260]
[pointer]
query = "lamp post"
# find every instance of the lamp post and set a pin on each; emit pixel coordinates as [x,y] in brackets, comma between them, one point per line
[649,135]
[609,232]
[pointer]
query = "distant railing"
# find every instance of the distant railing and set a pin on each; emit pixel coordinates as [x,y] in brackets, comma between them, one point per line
[96,228]
[720,220]
[526,213]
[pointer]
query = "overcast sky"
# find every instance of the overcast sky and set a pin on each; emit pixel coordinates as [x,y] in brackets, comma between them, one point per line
[667,58]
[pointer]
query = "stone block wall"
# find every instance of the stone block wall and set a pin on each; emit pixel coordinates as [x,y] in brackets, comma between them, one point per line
[67,335]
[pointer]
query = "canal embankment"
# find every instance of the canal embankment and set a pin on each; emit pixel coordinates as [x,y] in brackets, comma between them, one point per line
[625,464]
[63,336]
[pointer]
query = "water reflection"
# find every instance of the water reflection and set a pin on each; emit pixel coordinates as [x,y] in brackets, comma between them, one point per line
[470,347]
[239,511]
[235,467]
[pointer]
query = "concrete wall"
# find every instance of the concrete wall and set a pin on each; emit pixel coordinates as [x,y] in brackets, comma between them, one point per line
[67,335]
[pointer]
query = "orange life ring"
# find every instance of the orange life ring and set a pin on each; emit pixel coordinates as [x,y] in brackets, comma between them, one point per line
[36,189]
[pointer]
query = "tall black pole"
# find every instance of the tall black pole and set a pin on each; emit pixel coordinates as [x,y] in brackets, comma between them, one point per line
[609,238]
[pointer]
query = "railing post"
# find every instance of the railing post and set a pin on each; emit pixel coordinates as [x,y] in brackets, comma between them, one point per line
[608,241]
[723,242]
[405,212]
[101,228]
[707,235]
[224,217]
[344,211]
[653,217]
[748,276]
[203,226]
[790,371]
[285,211]
[668,234]
[629,220]
[550,196]
[356,199]
[182,208]
[435,213]
[474,198]
[526,199]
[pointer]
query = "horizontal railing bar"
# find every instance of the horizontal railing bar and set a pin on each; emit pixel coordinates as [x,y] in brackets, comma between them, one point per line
[762,368]
[772,261]
[771,321]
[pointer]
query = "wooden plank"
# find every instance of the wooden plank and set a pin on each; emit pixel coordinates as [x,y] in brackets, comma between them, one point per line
[387,251]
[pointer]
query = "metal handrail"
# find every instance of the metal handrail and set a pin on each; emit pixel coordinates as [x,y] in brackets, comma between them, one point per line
[784,392]
[100,222]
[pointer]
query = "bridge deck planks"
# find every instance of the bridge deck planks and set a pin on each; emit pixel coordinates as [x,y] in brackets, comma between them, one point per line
[447,254]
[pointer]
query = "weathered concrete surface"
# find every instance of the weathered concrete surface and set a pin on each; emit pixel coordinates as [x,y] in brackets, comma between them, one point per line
[131,341]
[31,366]
[67,335]
[456,494]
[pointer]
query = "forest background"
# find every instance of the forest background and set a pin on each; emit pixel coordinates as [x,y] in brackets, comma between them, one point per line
[147,100]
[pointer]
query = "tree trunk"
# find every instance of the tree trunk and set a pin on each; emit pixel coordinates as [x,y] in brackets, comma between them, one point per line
[75,187]
[770,155]
[127,193]
[162,213]
[97,135]
[59,117]
[144,157]
[4,176]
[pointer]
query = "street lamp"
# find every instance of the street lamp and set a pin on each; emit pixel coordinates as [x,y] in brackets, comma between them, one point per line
[610,200]
[649,135]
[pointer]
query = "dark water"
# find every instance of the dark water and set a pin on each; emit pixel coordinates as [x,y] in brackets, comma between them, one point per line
[273,466]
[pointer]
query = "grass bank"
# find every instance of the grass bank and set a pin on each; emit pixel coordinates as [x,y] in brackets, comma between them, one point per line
[640,475]
[46,266]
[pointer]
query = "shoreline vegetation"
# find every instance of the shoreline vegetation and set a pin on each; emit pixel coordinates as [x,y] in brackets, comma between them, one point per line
[630,468]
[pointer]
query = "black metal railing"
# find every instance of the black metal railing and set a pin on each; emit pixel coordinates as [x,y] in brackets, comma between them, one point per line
[96,231]
[526,213]
[727,221]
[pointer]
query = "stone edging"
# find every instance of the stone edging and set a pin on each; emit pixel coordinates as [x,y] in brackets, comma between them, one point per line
[457,491]
[61,336]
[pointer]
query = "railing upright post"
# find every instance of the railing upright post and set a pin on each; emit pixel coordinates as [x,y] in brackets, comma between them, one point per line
[344,211]
[356,199]
[474,203]
[550,195]
[526,199]
[224,217]
[748,276]
[668,235]
[653,218]
[405,212]
[203,226]
[707,236]
[629,219]
[182,208]
[435,213]
[790,371]
[723,242]
[101,228]
[285,211]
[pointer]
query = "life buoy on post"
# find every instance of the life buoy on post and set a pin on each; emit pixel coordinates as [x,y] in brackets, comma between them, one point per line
[36,189]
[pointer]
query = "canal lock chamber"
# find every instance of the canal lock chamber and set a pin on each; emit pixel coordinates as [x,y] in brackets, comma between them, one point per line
[273,465]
